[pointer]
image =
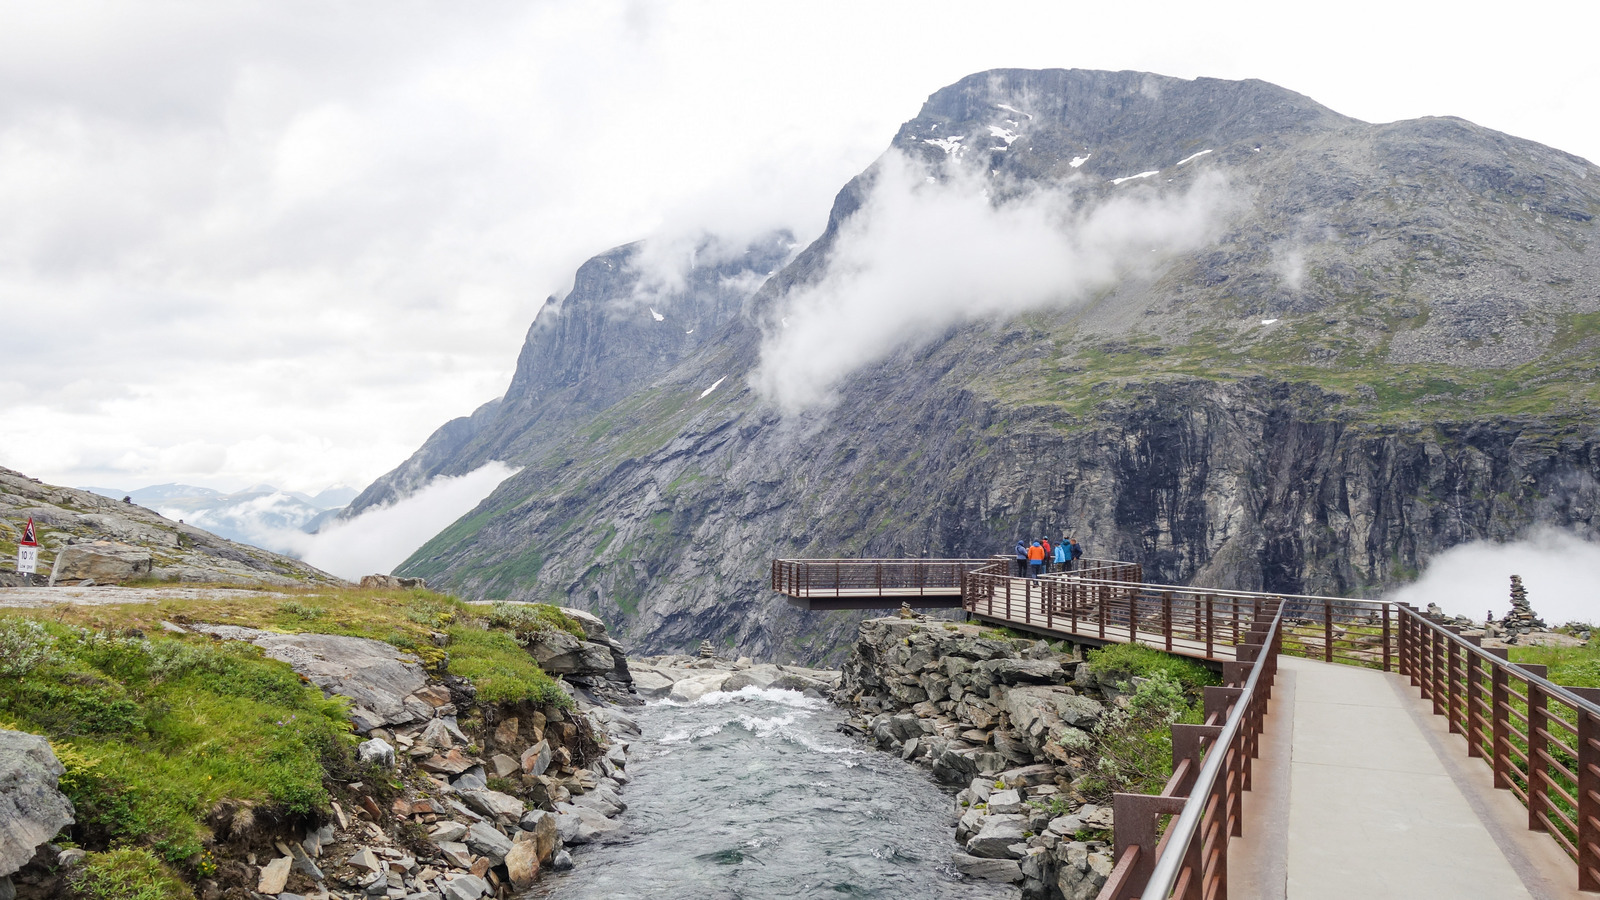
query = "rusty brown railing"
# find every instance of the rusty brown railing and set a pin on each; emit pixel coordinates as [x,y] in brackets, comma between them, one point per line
[1540,739]
[857,577]
[1211,771]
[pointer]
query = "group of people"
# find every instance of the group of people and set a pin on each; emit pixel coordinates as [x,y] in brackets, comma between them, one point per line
[1039,556]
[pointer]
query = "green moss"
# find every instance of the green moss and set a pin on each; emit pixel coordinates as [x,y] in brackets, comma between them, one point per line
[1570,666]
[128,874]
[1120,661]
[154,732]
[500,668]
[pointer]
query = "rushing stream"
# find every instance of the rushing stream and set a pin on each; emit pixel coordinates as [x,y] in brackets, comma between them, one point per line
[754,795]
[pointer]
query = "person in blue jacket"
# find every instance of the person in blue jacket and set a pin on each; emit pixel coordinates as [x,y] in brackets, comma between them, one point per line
[1022,558]
[1063,556]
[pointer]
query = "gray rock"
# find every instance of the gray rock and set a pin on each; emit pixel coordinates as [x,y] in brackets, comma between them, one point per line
[987,869]
[1081,873]
[494,804]
[447,831]
[536,759]
[103,562]
[32,810]
[274,875]
[462,887]
[376,751]
[650,684]
[997,836]
[562,861]
[581,825]
[486,840]
[693,687]
[375,676]
[471,779]
[1005,803]
[560,653]
[1024,671]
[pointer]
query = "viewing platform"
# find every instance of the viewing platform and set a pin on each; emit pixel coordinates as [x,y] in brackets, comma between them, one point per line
[1357,748]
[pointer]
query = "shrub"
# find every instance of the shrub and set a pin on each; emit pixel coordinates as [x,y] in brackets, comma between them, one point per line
[24,646]
[300,610]
[1135,743]
[530,617]
[128,874]
[1124,661]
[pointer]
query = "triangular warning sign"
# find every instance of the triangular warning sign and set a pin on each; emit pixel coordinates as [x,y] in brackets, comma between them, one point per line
[28,540]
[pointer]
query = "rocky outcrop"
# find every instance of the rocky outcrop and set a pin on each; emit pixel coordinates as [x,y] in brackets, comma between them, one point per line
[32,810]
[87,537]
[684,679]
[1010,721]
[100,562]
[384,685]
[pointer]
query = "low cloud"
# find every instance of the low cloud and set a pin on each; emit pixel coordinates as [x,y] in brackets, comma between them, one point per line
[925,253]
[380,539]
[1560,570]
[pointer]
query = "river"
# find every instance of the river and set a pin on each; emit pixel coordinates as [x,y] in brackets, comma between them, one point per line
[754,795]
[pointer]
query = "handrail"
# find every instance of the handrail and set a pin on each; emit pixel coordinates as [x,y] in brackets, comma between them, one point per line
[1546,685]
[1182,830]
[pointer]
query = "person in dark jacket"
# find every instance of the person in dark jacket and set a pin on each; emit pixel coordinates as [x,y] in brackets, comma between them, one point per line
[1022,558]
[1077,552]
[1049,554]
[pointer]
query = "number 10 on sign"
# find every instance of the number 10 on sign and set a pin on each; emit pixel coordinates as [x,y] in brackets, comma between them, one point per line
[27,560]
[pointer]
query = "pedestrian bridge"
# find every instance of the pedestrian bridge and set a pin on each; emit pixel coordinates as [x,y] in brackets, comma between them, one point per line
[1358,749]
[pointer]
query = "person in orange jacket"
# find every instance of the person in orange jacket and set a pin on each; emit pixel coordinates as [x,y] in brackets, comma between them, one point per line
[1035,559]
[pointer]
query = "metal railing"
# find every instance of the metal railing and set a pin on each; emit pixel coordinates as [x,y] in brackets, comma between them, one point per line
[1211,771]
[847,577]
[1540,739]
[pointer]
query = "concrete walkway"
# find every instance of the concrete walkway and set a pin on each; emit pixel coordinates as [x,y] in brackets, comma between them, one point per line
[1361,792]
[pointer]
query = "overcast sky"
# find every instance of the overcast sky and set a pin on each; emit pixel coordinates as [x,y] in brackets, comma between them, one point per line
[285,241]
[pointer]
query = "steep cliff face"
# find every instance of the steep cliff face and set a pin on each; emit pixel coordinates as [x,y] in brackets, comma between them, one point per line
[1390,349]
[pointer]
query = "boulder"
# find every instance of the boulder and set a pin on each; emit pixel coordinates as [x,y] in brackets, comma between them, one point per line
[1081,872]
[275,875]
[378,679]
[1024,671]
[32,810]
[536,759]
[693,687]
[522,862]
[1005,803]
[494,804]
[560,653]
[376,751]
[760,677]
[486,840]
[1006,870]
[447,831]
[651,684]
[103,562]
[581,825]
[997,836]
[542,826]
[462,887]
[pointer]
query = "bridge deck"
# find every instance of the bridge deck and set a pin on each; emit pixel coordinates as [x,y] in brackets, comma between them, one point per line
[1385,803]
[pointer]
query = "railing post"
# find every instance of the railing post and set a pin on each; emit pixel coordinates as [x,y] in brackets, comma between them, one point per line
[1133,617]
[1210,624]
[1452,688]
[1387,655]
[1327,631]
[1500,726]
[1027,601]
[1538,746]
[1100,599]
[1473,674]
[1050,591]
[1588,801]
[1166,617]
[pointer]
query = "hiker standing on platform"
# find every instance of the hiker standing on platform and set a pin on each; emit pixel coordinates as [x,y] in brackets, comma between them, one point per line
[1049,554]
[1064,556]
[1035,559]
[1022,558]
[1077,551]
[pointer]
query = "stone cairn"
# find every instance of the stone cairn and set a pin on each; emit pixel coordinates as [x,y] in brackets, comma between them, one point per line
[707,651]
[1521,619]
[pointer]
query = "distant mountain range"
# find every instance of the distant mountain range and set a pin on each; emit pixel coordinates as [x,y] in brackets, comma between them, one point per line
[1386,344]
[258,515]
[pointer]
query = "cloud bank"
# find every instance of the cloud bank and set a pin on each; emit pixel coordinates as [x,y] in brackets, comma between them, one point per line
[1560,570]
[380,539]
[924,253]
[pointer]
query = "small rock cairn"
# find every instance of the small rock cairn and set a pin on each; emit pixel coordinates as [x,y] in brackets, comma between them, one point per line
[707,651]
[1521,619]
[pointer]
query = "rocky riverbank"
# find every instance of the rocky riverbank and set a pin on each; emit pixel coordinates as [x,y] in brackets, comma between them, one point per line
[1010,720]
[450,794]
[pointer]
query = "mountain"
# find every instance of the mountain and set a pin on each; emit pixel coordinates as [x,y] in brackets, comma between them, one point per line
[179,551]
[260,515]
[1384,344]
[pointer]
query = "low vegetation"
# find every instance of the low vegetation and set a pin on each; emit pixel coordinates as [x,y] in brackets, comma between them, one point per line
[156,728]
[1134,743]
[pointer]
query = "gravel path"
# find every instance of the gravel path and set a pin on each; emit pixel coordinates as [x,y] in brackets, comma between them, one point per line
[43,597]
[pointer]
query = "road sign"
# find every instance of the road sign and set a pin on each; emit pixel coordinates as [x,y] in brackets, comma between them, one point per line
[28,551]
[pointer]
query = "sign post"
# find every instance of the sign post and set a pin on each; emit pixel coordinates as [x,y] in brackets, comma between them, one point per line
[28,554]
